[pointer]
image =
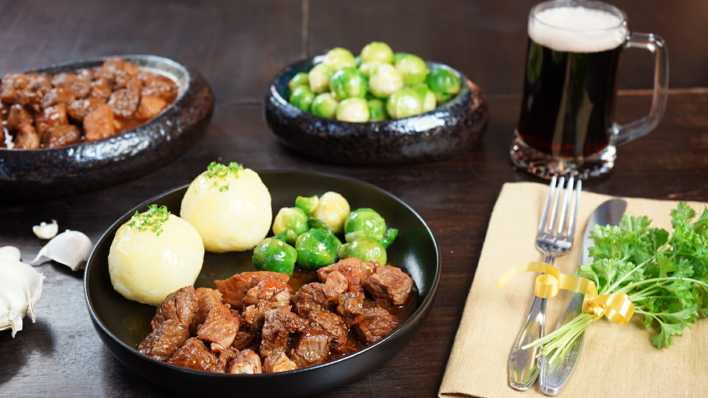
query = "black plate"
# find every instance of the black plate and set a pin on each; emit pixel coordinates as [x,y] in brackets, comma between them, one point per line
[43,173]
[122,324]
[443,132]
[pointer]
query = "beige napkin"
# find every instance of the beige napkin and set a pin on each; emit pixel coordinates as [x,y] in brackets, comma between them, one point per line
[617,361]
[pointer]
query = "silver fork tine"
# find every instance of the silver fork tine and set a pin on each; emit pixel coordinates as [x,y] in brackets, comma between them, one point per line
[574,211]
[568,193]
[556,201]
[542,219]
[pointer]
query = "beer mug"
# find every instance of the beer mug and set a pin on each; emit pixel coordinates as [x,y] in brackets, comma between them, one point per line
[566,119]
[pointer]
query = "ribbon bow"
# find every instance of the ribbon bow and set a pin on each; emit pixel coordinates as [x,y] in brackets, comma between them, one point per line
[616,307]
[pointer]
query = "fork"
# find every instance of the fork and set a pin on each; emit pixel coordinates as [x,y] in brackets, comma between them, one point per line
[554,238]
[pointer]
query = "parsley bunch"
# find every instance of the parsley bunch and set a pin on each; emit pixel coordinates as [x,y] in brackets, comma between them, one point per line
[665,275]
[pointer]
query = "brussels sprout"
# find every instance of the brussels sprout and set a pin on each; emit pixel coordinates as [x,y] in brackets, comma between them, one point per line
[368,68]
[348,83]
[289,223]
[412,68]
[333,210]
[324,105]
[426,96]
[385,80]
[302,98]
[403,103]
[377,51]
[300,79]
[365,249]
[317,248]
[319,77]
[338,58]
[390,236]
[274,255]
[377,110]
[397,57]
[441,97]
[443,80]
[308,204]
[364,223]
[353,110]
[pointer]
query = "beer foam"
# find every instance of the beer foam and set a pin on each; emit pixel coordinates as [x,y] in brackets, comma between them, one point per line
[577,29]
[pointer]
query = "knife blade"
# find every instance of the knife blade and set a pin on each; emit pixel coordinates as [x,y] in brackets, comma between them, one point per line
[553,377]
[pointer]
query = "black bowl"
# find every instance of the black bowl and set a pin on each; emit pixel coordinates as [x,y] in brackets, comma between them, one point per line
[122,324]
[43,173]
[443,132]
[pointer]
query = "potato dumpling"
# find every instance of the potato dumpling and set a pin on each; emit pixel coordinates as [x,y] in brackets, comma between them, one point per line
[154,254]
[230,207]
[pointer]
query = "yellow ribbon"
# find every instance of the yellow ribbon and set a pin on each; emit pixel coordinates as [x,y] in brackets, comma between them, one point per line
[616,307]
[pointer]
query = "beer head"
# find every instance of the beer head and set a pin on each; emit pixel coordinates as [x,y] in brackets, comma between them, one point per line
[580,28]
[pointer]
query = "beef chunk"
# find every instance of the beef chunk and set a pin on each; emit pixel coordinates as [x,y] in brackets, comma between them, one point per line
[193,354]
[12,85]
[374,324]
[243,339]
[235,288]
[74,85]
[350,304]
[150,106]
[117,71]
[224,358]
[181,306]
[247,362]
[164,340]
[335,284]
[310,297]
[101,89]
[333,325]
[207,299]
[277,326]
[37,86]
[26,137]
[51,116]
[278,362]
[219,328]
[55,96]
[79,108]
[390,283]
[124,102]
[60,136]
[99,123]
[158,86]
[312,347]
[271,290]
[18,116]
[355,270]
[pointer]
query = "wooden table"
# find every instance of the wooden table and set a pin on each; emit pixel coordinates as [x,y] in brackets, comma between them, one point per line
[239,46]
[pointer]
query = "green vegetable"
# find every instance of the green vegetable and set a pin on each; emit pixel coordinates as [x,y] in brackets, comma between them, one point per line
[289,223]
[413,69]
[308,204]
[665,276]
[385,80]
[403,103]
[364,223]
[443,80]
[333,211]
[151,219]
[319,77]
[299,79]
[274,255]
[317,248]
[365,249]
[398,56]
[368,68]
[390,236]
[302,98]
[324,105]
[426,96]
[377,51]
[338,58]
[348,83]
[377,110]
[353,110]
[441,97]
[217,171]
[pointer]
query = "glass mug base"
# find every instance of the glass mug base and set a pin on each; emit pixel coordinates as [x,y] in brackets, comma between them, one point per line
[545,166]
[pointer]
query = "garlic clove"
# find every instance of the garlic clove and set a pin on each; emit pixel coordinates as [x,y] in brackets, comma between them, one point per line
[20,290]
[70,248]
[10,253]
[46,230]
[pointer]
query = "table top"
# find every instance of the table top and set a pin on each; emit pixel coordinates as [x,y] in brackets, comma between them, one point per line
[239,46]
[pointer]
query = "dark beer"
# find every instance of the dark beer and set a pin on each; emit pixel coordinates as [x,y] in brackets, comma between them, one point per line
[569,88]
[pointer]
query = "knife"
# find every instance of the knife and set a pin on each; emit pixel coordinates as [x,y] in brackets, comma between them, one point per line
[553,377]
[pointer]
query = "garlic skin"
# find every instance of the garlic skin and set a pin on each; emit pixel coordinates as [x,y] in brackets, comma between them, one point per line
[10,253]
[70,248]
[20,289]
[46,230]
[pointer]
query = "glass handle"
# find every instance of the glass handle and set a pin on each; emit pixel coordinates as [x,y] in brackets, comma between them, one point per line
[623,133]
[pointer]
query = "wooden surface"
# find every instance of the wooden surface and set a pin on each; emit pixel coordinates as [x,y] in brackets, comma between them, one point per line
[239,46]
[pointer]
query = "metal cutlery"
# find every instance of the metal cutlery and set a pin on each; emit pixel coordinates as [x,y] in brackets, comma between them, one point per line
[554,238]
